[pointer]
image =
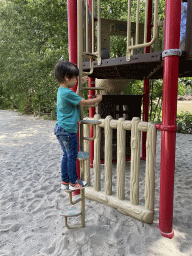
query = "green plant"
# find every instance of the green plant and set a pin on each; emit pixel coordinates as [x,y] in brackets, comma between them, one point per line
[184,122]
[25,105]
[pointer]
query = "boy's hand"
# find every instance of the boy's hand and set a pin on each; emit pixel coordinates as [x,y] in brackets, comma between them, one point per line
[99,97]
[85,79]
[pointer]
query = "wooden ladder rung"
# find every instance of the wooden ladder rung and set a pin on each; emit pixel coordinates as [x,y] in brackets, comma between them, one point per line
[92,55]
[92,88]
[90,122]
[71,212]
[71,191]
[82,155]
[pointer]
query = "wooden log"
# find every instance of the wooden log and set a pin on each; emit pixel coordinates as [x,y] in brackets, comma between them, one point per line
[127,125]
[108,156]
[120,159]
[102,125]
[136,211]
[150,167]
[135,161]
[113,124]
[143,126]
[96,161]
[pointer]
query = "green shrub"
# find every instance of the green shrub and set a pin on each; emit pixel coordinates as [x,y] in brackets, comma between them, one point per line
[5,103]
[25,105]
[184,122]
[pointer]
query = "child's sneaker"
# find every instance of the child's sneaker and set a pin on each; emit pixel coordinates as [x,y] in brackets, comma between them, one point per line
[79,184]
[64,185]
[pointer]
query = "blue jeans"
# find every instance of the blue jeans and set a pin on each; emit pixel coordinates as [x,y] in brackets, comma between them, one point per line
[69,145]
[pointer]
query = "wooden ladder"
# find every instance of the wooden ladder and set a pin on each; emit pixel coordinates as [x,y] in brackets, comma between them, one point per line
[82,156]
[75,212]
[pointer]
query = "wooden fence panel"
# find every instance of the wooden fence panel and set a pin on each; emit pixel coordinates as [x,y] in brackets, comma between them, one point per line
[132,208]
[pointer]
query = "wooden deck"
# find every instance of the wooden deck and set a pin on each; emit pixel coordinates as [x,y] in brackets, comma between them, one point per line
[141,66]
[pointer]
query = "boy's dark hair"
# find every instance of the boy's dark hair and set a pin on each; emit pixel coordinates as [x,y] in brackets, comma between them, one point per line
[65,68]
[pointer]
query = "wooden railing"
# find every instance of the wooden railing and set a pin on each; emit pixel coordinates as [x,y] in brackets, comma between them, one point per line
[145,212]
[130,45]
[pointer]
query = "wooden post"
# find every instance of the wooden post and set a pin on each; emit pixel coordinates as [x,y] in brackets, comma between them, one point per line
[108,156]
[121,159]
[150,167]
[135,161]
[82,192]
[96,161]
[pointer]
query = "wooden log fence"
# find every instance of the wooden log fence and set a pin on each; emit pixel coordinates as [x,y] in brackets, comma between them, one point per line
[144,213]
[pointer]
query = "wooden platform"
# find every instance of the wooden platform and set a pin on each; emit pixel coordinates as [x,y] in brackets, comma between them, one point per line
[141,66]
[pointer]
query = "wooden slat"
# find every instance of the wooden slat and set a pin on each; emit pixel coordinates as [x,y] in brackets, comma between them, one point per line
[92,88]
[108,156]
[120,159]
[135,161]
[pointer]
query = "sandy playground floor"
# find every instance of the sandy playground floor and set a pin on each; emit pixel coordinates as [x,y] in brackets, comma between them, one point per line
[30,201]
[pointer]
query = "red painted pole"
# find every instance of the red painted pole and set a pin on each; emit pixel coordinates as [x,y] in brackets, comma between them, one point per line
[146,83]
[72,42]
[91,110]
[72,32]
[169,112]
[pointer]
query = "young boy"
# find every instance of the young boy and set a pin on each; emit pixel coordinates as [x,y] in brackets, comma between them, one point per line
[68,102]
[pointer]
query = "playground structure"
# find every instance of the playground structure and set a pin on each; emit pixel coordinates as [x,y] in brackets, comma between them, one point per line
[168,63]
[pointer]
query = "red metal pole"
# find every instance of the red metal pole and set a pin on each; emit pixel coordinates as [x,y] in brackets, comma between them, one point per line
[91,110]
[169,112]
[146,82]
[72,42]
[72,33]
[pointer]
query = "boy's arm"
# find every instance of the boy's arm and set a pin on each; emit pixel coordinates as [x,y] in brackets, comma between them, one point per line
[91,102]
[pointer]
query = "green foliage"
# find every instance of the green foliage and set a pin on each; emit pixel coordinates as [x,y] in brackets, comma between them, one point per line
[181,89]
[118,46]
[156,92]
[184,123]
[134,87]
[185,84]
[25,104]
[114,9]
[85,96]
[34,39]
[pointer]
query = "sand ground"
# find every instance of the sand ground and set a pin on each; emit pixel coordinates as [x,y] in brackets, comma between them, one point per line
[31,201]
